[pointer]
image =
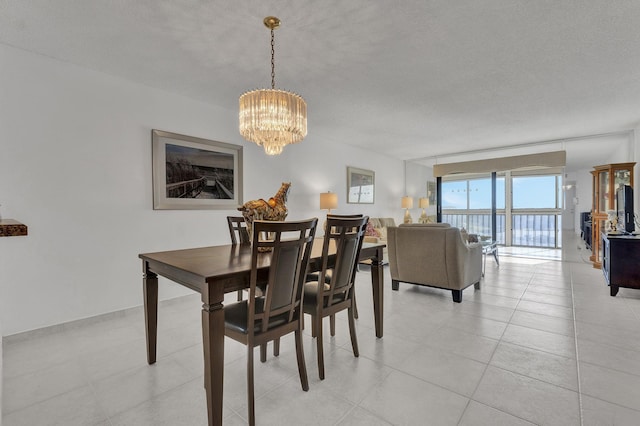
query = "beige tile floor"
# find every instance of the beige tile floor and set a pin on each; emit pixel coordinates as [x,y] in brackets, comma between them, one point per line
[541,343]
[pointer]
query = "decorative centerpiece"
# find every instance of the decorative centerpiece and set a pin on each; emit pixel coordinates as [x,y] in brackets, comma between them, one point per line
[274,209]
[611,224]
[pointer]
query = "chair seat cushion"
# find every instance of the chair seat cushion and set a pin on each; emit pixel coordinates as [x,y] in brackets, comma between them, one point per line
[315,276]
[235,317]
[311,295]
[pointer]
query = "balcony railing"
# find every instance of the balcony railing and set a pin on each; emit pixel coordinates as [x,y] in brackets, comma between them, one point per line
[527,229]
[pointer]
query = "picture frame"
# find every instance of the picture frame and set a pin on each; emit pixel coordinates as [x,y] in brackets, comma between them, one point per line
[431,192]
[360,186]
[192,173]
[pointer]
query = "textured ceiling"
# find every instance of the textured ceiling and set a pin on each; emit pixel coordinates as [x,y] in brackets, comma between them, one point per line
[411,78]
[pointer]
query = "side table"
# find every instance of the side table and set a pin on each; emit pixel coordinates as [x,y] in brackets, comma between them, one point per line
[489,247]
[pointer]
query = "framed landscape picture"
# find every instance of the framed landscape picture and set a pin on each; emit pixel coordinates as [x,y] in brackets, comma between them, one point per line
[360,186]
[431,192]
[195,173]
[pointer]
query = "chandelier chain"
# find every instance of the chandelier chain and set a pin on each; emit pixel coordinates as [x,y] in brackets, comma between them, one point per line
[273,63]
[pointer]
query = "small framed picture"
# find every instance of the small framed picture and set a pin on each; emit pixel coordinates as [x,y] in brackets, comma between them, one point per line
[194,173]
[431,192]
[360,186]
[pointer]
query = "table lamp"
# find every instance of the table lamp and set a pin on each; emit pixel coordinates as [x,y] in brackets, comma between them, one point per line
[328,201]
[407,203]
[423,203]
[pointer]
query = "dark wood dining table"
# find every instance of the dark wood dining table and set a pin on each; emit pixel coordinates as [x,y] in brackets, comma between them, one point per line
[214,271]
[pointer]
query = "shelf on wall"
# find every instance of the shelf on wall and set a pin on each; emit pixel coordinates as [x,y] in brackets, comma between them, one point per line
[12,228]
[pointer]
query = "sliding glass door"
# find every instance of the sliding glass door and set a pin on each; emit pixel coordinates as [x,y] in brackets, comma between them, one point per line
[528,207]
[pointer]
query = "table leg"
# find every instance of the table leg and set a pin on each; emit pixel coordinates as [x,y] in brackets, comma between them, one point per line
[377,283]
[150,291]
[213,343]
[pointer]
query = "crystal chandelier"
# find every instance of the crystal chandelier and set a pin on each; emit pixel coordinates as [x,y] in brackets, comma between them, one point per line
[272,118]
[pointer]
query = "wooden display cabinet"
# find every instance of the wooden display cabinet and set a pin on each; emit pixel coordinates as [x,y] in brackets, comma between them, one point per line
[606,180]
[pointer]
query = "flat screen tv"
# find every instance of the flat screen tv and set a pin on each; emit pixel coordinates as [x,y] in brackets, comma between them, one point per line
[624,200]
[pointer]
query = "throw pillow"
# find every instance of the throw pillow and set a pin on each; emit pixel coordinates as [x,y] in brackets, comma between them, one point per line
[382,232]
[465,235]
[370,231]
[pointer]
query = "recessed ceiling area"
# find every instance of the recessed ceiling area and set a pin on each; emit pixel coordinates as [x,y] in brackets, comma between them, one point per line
[582,153]
[410,79]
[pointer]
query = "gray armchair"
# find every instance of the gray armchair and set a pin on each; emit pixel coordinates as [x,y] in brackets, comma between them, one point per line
[433,255]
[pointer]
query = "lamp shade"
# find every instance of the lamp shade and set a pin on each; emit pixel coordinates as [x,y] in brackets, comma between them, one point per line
[407,202]
[424,203]
[328,200]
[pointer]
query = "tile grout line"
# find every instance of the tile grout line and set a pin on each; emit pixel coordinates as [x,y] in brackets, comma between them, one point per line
[575,337]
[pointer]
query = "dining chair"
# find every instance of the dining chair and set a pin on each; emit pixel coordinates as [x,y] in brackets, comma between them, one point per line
[238,230]
[239,234]
[278,312]
[322,299]
[314,277]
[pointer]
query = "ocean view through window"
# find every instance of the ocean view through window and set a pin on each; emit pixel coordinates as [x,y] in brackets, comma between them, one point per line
[528,208]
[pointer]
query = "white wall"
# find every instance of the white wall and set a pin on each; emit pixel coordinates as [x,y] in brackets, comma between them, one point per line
[583,177]
[75,166]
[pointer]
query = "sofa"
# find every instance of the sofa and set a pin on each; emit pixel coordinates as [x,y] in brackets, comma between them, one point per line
[433,255]
[377,231]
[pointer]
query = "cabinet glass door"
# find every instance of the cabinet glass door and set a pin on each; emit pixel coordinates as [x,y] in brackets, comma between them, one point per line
[621,177]
[603,186]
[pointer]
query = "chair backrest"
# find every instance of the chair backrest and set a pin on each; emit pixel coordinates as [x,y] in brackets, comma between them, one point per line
[289,249]
[346,234]
[238,230]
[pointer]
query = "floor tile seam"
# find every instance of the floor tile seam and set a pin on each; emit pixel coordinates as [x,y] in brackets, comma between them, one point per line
[575,339]
[429,382]
[534,312]
[484,372]
[535,378]
[614,403]
[626,328]
[447,352]
[537,349]
[635,312]
[39,370]
[570,336]
[374,386]
[93,383]
[484,317]
[103,409]
[617,403]
[547,303]
[154,396]
[626,373]
[364,409]
[493,305]
[86,381]
[515,309]
[503,411]
[476,333]
[321,382]
[627,348]
[466,407]
[30,406]
[345,415]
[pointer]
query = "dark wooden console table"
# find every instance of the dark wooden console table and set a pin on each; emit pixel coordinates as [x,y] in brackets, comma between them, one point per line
[620,266]
[212,272]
